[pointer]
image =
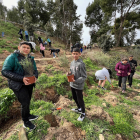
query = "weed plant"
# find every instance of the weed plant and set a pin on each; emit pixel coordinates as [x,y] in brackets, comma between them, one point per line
[123,121]
[7,97]
[58,81]
[64,61]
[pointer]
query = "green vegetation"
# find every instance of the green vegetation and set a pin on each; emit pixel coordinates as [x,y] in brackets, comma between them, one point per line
[123,121]
[7,97]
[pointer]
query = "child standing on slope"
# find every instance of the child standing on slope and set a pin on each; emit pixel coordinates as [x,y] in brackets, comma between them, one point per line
[102,75]
[77,68]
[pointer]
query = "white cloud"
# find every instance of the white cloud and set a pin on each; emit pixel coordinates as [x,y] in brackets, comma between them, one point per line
[10,3]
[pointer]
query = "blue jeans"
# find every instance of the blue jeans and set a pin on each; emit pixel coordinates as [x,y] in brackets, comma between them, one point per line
[53,54]
[27,38]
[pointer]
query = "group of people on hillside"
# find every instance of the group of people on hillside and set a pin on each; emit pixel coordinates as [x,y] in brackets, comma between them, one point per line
[41,43]
[15,73]
[77,45]
[125,70]
[42,47]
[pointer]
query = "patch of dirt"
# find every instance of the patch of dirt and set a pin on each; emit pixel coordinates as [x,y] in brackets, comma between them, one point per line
[98,112]
[14,115]
[63,102]
[132,94]
[49,95]
[66,132]
[111,99]
[52,120]
[11,127]
[136,114]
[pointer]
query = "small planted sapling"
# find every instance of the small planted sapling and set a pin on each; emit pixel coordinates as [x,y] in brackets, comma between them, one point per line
[28,68]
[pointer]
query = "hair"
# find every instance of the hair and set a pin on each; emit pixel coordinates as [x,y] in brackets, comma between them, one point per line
[124,59]
[24,43]
[110,72]
[131,56]
[76,50]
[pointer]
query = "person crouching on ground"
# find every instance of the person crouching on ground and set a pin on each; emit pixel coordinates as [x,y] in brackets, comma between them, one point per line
[123,70]
[77,68]
[102,76]
[13,70]
[54,51]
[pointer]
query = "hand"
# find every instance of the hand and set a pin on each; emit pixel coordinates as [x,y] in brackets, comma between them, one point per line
[25,80]
[73,80]
[35,79]
[68,73]
[128,73]
[119,71]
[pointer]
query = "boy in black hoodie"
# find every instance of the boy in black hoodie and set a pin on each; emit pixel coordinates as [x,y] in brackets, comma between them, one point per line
[133,65]
[77,68]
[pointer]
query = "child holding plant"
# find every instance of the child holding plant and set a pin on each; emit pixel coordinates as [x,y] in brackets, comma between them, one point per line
[19,83]
[102,76]
[77,68]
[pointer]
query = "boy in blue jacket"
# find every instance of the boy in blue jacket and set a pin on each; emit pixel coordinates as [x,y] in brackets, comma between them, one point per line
[77,68]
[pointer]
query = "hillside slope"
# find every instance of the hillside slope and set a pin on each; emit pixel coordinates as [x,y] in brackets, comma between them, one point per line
[109,114]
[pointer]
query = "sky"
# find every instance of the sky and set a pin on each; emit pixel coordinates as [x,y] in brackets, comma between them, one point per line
[82,5]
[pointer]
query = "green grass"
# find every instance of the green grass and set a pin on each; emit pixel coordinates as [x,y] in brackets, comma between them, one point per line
[123,121]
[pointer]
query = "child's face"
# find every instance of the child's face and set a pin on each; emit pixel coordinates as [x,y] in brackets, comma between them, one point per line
[25,49]
[76,55]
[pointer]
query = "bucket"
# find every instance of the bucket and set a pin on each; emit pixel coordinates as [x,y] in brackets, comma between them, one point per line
[31,79]
[70,77]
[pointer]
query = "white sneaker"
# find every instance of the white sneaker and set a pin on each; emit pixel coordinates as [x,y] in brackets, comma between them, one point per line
[54,57]
[32,53]
[19,39]
[76,110]
[81,117]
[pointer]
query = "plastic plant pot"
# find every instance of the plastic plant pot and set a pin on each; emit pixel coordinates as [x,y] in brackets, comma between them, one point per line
[70,78]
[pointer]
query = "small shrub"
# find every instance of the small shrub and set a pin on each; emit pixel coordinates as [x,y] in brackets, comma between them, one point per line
[64,61]
[7,97]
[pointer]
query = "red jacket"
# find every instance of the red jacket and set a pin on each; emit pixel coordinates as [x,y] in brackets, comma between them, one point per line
[123,68]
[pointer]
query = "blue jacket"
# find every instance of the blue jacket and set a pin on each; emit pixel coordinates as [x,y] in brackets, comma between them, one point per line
[26,32]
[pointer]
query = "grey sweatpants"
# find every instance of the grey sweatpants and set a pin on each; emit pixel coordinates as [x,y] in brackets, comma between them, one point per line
[122,82]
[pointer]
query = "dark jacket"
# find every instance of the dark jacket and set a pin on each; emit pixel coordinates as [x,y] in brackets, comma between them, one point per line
[133,64]
[77,45]
[55,50]
[14,72]
[123,68]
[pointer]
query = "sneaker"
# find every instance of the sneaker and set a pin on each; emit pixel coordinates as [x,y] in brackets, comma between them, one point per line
[76,110]
[54,56]
[123,91]
[29,125]
[99,86]
[103,88]
[19,39]
[32,53]
[33,117]
[81,117]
